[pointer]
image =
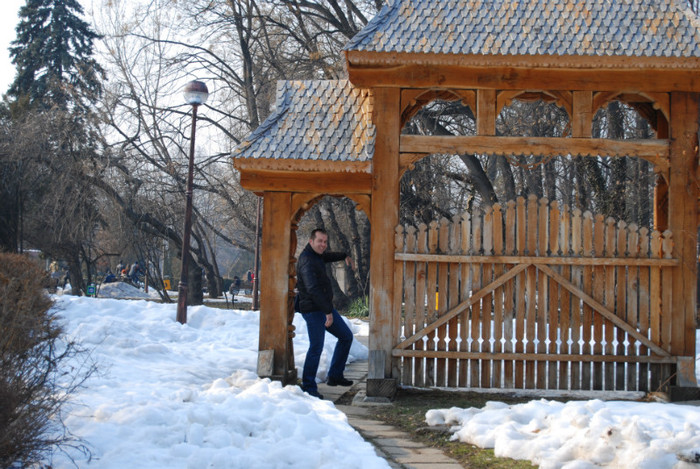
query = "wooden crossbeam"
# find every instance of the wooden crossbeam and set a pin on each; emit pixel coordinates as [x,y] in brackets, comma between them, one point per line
[533,260]
[655,151]
[550,357]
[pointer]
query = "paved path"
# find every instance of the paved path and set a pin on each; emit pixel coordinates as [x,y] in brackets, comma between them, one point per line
[389,442]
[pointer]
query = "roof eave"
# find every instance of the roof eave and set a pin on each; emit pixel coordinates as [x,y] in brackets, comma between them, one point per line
[601,73]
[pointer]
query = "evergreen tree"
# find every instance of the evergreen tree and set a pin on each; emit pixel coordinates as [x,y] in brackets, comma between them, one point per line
[53,54]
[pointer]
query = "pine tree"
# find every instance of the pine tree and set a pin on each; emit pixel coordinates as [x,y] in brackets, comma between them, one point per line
[53,54]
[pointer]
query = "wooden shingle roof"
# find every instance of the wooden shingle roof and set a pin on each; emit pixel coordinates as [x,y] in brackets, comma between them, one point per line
[313,122]
[586,28]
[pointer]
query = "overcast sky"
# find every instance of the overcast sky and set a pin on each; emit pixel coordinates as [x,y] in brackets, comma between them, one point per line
[8,22]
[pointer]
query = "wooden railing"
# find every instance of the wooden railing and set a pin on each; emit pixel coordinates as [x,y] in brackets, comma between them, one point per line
[534,296]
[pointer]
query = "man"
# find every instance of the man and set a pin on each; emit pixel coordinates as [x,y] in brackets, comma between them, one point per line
[315,303]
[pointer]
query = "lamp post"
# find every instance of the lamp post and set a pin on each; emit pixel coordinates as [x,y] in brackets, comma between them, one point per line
[196,93]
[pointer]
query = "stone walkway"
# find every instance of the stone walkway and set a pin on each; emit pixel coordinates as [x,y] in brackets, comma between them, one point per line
[389,442]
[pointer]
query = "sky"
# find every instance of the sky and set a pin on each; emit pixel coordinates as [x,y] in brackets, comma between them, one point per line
[8,22]
[187,396]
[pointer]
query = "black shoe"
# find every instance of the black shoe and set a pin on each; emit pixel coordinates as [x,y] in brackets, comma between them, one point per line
[314,394]
[338,381]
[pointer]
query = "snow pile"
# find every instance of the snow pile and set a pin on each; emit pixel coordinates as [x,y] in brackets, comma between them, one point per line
[186,396]
[123,290]
[581,434]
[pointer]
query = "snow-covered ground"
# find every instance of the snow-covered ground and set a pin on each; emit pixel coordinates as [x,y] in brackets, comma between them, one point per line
[583,434]
[186,396]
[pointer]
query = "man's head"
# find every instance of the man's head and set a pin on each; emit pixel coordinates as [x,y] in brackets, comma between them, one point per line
[319,240]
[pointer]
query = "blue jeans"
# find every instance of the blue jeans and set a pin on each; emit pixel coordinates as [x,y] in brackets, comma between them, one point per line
[315,324]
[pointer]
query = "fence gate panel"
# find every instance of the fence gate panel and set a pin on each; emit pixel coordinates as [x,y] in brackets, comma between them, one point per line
[534,295]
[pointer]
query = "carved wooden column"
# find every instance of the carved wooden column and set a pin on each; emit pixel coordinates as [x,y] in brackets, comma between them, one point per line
[682,221]
[274,343]
[383,368]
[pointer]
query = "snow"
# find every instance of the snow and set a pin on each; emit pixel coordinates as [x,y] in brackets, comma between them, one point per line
[187,396]
[582,434]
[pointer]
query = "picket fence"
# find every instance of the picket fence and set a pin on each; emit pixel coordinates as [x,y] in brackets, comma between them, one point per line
[534,296]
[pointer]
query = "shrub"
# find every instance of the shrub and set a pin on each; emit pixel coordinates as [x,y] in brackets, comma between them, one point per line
[359,307]
[33,355]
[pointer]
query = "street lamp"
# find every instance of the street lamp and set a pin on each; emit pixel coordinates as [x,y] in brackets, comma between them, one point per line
[196,93]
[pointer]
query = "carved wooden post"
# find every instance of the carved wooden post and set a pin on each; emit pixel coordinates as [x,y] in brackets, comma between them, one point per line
[383,368]
[682,221]
[274,287]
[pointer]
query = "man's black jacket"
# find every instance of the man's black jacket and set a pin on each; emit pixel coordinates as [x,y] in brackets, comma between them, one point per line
[314,286]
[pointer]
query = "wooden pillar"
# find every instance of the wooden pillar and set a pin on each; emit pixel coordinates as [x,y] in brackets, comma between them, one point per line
[486,112]
[682,221]
[582,119]
[385,214]
[274,288]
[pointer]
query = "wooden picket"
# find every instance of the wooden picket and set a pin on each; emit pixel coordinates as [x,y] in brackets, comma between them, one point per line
[534,295]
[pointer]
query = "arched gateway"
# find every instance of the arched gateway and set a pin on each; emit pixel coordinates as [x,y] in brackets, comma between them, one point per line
[530,283]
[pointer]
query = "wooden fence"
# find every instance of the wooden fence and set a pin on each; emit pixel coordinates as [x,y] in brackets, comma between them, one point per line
[534,296]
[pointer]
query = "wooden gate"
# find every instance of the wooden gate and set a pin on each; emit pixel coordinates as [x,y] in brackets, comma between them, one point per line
[534,296]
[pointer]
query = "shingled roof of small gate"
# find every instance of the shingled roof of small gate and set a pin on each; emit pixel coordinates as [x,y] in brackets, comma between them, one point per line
[314,121]
[600,28]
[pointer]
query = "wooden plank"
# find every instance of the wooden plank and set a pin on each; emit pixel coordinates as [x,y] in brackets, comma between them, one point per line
[521,285]
[582,244]
[644,307]
[509,288]
[632,313]
[475,324]
[593,322]
[602,310]
[487,302]
[465,293]
[621,303]
[385,210]
[531,357]
[609,296]
[655,151]
[498,296]
[553,320]
[443,295]
[421,317]
[431,312]
[453,324]
[542,292]
[577,261]
[409,301]
[531,292]
[400,292]
[565,302]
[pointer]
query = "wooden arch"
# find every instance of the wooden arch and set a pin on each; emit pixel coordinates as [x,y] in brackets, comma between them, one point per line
[663,87]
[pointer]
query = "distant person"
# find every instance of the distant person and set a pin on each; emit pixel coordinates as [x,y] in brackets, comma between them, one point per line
[249,275]
[120,267]
[134,272]
[235,287]
[110,277]
[315,303]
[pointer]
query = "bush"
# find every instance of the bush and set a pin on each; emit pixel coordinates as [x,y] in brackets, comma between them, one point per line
[33,355]
[359,307]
